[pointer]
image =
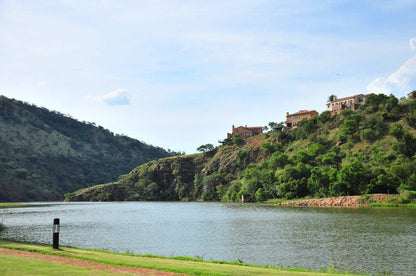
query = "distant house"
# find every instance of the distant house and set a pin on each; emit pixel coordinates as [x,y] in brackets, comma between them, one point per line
[292,120]
[353,102]
[245,132]
[411,94]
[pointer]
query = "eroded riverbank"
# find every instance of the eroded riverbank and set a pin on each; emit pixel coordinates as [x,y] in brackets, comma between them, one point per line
[340,201]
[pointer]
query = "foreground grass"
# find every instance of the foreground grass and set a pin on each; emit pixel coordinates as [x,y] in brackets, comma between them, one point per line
[13,265]
[13,205]
[185,265]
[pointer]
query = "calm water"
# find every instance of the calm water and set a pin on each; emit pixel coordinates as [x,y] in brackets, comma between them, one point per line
[373,239]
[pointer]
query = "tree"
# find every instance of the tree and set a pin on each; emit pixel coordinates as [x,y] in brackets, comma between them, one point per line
[325,116]
[352,179]
[351,124]
[332,98]
[396,130]
[226,141]
[237,140]
[272,125]
[209,186]
[321,179]
[205,148]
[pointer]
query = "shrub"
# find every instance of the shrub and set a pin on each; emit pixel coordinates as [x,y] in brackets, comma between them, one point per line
[209,184]
[368,134]
[21,173]
[269,147]
[232,193]
[406,146]
[396,130]
[411,121]
[237,140]
[278,160]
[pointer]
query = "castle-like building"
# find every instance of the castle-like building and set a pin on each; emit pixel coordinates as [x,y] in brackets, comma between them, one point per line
[336,105]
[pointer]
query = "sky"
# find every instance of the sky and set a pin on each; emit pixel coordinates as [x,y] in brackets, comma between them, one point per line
[179,74]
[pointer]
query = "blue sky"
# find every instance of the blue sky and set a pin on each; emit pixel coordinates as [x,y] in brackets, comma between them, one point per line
[178,74]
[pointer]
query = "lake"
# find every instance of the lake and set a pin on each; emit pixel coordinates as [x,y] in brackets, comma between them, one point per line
[362,239]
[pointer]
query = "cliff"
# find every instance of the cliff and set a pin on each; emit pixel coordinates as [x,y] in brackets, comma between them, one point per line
[189,177]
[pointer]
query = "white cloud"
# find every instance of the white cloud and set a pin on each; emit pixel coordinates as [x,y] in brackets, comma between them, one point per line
[116,97]
[400,82]
[412,43]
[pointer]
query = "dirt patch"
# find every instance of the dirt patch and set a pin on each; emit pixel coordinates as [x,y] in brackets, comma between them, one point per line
[92,265]
[341,201]
[254,141]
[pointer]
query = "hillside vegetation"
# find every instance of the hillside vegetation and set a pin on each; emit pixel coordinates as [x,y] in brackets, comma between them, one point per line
[45,154]
[352,153]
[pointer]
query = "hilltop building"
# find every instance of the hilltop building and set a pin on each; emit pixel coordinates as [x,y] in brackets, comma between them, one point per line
[245,132]
[411,94]
[292,120]
[336,105]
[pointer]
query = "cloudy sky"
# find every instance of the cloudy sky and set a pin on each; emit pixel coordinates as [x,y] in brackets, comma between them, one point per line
[178,74]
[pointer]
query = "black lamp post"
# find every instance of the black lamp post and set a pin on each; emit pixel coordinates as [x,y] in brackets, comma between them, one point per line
[56,227]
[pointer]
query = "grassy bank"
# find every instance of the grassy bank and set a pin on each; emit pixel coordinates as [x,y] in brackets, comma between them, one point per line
[185,265]
[13,205]
[14,265]
[404,199]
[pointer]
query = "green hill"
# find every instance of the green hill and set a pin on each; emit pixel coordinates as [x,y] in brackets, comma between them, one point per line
[45,154]
[352,153]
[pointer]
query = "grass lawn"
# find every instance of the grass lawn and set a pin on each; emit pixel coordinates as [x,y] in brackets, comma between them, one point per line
[178,265]
[13,265]
[13,205]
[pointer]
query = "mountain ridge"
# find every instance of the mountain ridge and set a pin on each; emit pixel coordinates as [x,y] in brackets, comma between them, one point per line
[45,154]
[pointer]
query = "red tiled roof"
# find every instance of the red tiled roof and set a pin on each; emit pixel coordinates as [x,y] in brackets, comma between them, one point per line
[250,127]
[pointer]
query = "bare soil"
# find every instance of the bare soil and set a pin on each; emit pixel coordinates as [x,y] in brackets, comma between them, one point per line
[83,263]
[341,201]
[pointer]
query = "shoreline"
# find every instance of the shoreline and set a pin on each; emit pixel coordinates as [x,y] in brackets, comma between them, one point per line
[407,199]
[339,201]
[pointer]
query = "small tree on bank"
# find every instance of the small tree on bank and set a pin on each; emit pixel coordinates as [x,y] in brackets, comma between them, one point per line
[205,148]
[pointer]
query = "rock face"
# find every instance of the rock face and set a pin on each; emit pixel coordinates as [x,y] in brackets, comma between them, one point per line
[190,177]
[341,201]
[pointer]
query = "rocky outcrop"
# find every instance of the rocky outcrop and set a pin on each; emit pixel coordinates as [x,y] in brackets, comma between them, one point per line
[188,177]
